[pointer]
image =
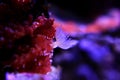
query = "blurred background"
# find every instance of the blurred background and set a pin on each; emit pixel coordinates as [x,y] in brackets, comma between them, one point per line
[95,24]
[81,10]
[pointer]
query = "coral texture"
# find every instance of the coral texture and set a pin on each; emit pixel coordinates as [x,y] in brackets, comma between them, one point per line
[25,36]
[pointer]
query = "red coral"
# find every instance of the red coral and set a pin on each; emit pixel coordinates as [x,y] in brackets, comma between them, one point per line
[29,46]
[25,36]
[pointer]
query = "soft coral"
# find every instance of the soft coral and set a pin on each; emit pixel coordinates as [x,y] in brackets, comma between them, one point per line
[24,45]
